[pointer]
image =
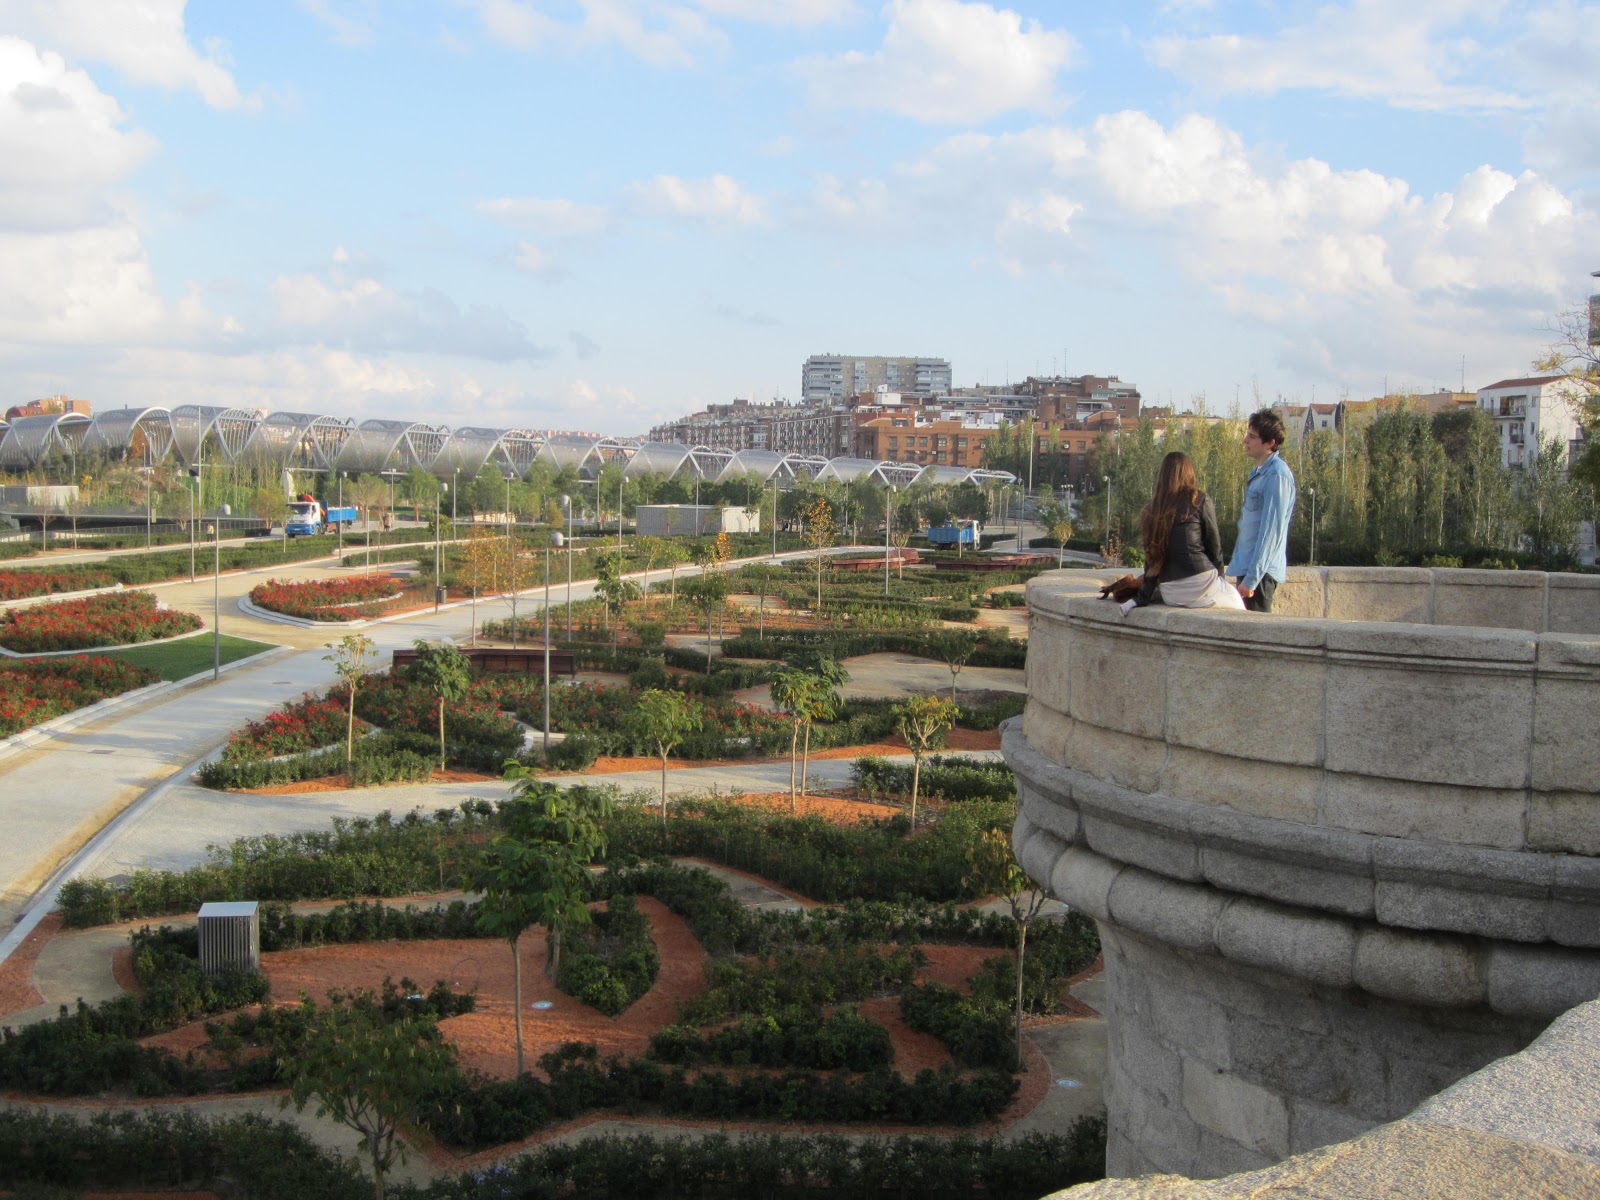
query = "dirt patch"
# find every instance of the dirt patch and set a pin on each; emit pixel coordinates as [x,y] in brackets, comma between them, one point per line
[337,783]
[16,973]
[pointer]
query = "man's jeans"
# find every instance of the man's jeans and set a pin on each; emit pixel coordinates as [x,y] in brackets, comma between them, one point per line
[1262,600]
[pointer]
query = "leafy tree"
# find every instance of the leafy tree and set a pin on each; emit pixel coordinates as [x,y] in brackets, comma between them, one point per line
[349,658]
[763,575]
[479,567]
[446,672]
[536,872]
[613,590]
[367,1072]
[819,536]
[809,692]
[1552,505]
[1056,517]
[649,549]
[665,719]
[993,870]
[956,647]
[674,555]
[924,722]
[706,594]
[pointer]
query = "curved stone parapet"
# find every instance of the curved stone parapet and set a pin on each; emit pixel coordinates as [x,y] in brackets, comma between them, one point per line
[1337,863]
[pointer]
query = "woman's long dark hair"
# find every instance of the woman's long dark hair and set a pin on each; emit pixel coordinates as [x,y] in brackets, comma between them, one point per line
[1177,492]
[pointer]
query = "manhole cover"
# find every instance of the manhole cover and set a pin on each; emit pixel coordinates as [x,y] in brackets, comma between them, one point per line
[541,1005]
[1068,1083]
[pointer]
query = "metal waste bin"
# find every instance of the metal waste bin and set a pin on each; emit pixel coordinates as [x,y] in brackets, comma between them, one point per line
[439,594]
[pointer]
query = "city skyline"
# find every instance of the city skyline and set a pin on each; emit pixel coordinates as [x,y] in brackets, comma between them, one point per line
[604,214]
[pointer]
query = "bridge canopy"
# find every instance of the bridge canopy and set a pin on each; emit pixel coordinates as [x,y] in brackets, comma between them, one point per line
[230,430]
[29,441]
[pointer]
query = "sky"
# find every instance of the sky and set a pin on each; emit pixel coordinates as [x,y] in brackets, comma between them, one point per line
[600,214]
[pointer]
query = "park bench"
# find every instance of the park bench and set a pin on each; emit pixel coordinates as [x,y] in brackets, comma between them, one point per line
[490,660]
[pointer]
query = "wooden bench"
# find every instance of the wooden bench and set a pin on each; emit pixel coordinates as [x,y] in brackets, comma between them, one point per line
[490,660]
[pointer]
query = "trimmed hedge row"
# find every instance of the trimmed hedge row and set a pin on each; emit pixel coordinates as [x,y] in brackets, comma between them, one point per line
[794,1037]
[994,648]
[944,776]
[614,961]
[254,1158]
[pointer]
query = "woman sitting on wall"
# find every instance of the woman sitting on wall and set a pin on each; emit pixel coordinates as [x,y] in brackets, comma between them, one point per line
[1182,548]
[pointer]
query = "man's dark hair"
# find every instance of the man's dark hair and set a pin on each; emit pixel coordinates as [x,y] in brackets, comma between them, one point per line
[1269,427]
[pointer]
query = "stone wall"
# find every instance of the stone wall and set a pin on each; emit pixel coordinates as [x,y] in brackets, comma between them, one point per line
[1337,864]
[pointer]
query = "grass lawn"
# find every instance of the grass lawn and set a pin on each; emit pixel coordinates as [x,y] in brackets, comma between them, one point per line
[187,656]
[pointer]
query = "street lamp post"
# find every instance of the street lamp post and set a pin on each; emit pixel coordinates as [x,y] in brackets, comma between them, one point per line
[455,481]
[216,593]
[1106,479]
[194,473]
[774,515]
[888,519]
[511,564]
[547,542]
[438,540]
[566,505]
[339,524]
[1312,492]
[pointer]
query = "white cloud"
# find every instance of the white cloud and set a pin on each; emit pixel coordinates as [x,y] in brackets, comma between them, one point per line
[551,218]
[782,12]
[1413,55]
[662,34]
[366,317]
[538,262]
[352,23]
[718,200]
[145,41]
[63,142]
[948,62]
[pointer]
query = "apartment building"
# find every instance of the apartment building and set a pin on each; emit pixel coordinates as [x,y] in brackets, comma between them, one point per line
[741,425]
[1062,400]
[1534,409]
[49,404]
[835,378]
[912,437]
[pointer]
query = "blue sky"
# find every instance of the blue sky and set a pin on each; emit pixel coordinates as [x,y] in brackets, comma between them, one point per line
[597,214]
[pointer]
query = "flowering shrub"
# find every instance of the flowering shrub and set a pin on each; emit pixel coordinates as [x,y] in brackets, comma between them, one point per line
[309,723]
[113,619]
[19,585]
[326,599]
[42,688]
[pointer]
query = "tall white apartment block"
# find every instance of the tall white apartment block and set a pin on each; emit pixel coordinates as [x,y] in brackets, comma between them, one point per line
[1533,410]
[826,377]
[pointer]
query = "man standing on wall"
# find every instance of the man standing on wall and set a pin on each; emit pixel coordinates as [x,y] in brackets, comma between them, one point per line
[1260,552]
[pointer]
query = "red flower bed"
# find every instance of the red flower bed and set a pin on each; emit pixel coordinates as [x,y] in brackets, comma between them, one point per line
[113,619]
[19,585]
[309,723]
[326,600]
[39,689]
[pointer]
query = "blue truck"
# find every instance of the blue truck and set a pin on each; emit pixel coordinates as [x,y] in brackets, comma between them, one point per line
[960,533]
[307,516]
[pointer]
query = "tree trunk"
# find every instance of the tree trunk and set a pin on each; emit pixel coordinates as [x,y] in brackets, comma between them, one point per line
[663,799]
[441,733]
[794,739]
[916,778]
[805,759]
[474,615]
[552,961]
[377,1168]
[1022,949]
[708,643]
[516,991]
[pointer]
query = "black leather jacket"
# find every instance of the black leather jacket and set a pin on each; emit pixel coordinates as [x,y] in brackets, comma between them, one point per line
[1195,546]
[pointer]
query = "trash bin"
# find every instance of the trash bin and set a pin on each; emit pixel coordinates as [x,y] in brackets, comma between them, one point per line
[439,594]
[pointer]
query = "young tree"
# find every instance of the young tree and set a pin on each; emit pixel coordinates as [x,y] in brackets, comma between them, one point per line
[819,536]
[664,719]
[674,555]
[446,672]
[809,692]
[1056,518]
[956,647]
[367,1072]
[648,548]
[924,721]
[349,658]
[613,589]
[993,870]
[706,594]
[479,567]
[371,493]
[763,575]
[536,872]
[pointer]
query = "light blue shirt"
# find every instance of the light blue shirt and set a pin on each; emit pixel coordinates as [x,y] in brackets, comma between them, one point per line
[1262,547]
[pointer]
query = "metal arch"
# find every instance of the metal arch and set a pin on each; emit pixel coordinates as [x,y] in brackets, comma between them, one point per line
[122,430]
[580,451]
[468,449]
[193,423]
[379,445]
[657,458]
[899,474]
[765,463]
[708,463]
[936,474]
[304,440]
[847,470]
[30,440]
[423,444]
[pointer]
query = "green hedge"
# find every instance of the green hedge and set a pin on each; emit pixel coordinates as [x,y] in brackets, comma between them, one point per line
[377,759]
[994,648]
[946,777]
[793,1037]
[978,1031]
[254,1158]
[613,961]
